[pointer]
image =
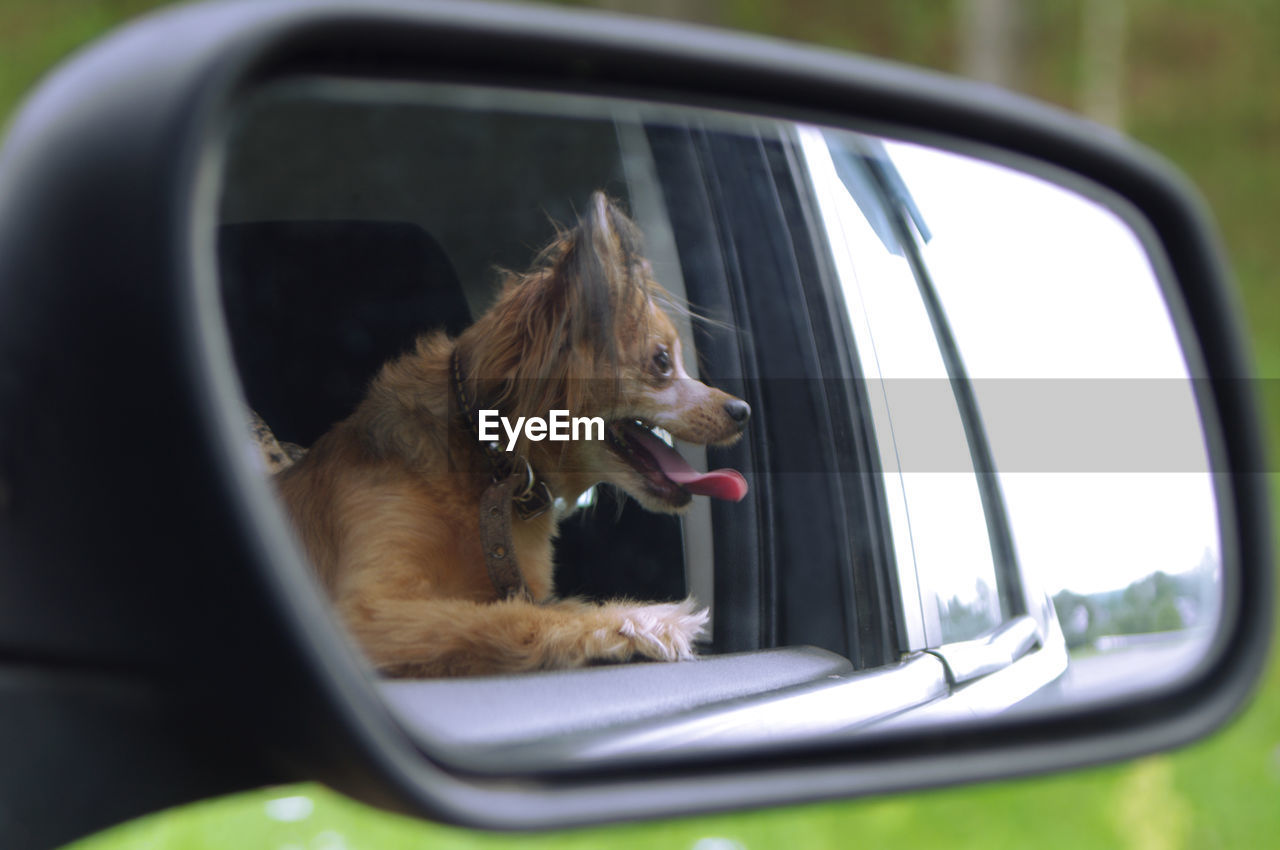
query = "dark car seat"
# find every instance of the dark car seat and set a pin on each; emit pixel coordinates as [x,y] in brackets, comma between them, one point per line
[316,307]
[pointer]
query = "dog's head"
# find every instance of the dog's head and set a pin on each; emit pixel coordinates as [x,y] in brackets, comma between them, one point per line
[589,331]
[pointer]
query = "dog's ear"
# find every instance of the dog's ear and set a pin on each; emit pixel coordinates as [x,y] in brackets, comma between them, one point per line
[559,333]
[602,277]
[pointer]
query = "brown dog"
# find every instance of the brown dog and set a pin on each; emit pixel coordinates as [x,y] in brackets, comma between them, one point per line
[388,502]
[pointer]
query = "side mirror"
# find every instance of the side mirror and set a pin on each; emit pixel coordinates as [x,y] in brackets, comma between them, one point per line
[998,503]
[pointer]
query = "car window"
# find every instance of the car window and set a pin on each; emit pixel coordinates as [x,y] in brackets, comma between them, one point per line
[395,211]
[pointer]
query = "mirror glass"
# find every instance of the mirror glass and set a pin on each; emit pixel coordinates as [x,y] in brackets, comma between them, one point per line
[941,449]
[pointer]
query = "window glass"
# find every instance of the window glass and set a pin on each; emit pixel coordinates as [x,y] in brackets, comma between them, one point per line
[950,588]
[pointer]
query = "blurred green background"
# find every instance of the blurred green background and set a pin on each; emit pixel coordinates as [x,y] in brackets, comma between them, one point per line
[1198,81]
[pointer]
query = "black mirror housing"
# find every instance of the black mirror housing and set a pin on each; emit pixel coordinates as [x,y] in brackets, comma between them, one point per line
[155,614]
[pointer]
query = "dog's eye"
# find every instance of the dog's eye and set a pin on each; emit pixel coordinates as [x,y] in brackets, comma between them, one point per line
[662,361]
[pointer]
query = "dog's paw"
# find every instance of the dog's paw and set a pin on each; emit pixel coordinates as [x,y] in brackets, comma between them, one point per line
[661,631]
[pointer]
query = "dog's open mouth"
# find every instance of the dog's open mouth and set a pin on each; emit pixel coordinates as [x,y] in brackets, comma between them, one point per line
[668,475]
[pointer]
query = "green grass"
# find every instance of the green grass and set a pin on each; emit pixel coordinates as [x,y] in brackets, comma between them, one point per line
[1200,89]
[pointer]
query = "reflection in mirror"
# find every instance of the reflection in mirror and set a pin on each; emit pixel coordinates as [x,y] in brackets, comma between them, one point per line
[957,460]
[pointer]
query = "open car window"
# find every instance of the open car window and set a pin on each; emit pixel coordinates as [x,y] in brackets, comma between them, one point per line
[856,584]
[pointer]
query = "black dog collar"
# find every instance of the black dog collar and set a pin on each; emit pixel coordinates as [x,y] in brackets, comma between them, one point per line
[516,485]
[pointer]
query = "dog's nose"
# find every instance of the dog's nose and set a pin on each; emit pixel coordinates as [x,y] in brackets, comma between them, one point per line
[739,411]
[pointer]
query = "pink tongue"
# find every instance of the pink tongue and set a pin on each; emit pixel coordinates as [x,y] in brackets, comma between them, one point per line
[719,484]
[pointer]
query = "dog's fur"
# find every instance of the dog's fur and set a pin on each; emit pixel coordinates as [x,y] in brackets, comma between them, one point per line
[386,503]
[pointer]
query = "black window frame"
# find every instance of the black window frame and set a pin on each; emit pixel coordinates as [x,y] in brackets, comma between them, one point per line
[747,194]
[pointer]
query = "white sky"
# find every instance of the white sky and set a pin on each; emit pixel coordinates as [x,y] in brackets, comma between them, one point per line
[1041,283]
